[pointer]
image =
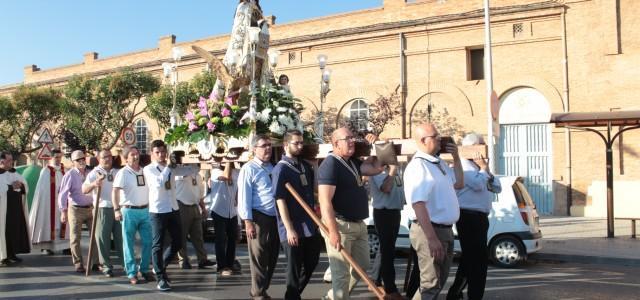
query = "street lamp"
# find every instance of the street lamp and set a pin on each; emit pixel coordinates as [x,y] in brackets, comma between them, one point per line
[254,38]
[325,78]
[170,70]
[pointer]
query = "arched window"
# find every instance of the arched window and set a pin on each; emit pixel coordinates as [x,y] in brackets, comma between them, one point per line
[141,135]
[359,115]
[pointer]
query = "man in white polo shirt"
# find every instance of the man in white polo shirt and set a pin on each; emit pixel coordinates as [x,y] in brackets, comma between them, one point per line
[131,207]
[164,211]
[429,185]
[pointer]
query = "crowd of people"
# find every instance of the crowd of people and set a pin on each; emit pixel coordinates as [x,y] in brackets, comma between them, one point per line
[163,203]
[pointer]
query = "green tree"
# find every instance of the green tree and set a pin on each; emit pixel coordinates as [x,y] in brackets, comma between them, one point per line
[160,103]
[97,109]
[24,114]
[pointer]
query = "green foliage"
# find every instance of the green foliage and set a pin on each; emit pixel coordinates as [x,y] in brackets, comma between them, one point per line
[24,115]
[187,93]
[97,109]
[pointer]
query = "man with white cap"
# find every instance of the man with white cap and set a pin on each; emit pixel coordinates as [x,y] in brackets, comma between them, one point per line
[475,204]
[76,207]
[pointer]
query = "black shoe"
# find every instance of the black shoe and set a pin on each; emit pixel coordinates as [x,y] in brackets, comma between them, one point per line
[146,277]
[185,265]
[46,252]
[163,285]
[236,267]
[66,252]
[205,264]
[108,273]
[4,263]
[15,259]
[95,267]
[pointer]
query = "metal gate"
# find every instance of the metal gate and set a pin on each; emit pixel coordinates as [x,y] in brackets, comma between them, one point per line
[525,150]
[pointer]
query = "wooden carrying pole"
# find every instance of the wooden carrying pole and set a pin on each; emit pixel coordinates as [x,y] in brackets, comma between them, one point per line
[380,294]
[92,237]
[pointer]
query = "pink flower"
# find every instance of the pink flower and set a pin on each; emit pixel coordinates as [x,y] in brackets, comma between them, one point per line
[204,112]
[229,100]
[189,116]
[193,126]
[202,103]
[225,112]
[211,127]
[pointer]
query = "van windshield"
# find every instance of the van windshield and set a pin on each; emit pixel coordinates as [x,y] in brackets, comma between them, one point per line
[522,195]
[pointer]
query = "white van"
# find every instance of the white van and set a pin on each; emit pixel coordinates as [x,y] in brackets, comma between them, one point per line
[514,230]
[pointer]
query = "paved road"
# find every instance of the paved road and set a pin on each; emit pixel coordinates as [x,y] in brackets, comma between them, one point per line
[52,277]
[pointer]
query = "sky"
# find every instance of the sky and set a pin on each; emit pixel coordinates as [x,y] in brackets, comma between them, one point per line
[57,33]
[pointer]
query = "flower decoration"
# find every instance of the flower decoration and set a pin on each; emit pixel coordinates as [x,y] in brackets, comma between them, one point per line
[278,111]
[210,117]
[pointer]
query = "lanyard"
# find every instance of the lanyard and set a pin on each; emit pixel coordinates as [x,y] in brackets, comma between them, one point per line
[303,177]
[437,163]
[351,169]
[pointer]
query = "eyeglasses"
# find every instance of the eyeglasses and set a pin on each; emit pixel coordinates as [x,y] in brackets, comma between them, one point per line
[298,143]
[263,146]
[347,138]
[80,160]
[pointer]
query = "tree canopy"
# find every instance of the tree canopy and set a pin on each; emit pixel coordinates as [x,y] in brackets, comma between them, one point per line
[96,110]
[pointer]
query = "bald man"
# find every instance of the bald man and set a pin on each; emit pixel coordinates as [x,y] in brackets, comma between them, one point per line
[344,203]
[430,186]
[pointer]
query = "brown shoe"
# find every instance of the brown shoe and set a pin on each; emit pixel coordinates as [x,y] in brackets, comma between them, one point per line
[393,296]
[133,280]
[80,269]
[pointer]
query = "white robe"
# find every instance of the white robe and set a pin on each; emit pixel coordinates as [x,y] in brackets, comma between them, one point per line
[5,180]
[40,214]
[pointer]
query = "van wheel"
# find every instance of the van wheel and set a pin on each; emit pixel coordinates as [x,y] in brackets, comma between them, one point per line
[506,251]
[374,242]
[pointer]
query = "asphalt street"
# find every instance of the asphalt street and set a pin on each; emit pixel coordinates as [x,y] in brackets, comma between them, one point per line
[52,277]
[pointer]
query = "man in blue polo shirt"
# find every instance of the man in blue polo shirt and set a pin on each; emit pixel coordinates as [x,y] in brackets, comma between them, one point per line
[344,204]
[298,234]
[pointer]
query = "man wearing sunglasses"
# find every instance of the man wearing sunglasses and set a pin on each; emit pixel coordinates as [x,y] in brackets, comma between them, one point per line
[257,208]
[344,204]
[76,207]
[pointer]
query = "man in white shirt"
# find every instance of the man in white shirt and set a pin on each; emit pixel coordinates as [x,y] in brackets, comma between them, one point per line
[131,207]
[190,193]
[106,226]
[429,185]
[163,209]
[224,213]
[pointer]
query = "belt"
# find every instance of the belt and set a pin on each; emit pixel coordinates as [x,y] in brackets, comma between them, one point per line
[187,205]
[473,212]
[135,207]
[436,225]
[82,206]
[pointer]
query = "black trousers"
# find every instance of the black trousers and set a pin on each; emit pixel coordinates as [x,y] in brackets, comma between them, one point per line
[226,230]
[387,225]
[160,225]
[472,269]
[301,262]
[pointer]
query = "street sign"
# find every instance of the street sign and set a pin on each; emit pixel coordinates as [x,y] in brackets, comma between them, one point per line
[128,136]
[45,137]
[45,152]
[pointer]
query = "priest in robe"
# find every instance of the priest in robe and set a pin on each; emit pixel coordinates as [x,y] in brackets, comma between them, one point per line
[14,235]
[44,217]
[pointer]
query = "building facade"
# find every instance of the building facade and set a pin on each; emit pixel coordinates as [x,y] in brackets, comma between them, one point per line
[548,57]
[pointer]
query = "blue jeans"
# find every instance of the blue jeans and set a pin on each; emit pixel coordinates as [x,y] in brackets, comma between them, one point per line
[160,224]
[136,220]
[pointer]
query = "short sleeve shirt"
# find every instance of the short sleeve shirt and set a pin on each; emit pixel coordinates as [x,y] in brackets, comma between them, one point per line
[428,179]
[134,190]
[107,185]
[350,201]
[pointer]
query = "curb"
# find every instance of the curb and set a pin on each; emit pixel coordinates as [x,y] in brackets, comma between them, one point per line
[584,259]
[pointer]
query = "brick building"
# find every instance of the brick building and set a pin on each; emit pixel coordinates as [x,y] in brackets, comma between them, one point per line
[548,56]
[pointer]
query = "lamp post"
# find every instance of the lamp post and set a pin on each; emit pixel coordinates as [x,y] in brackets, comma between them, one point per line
[324,90]
[171,71]
[254,38]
